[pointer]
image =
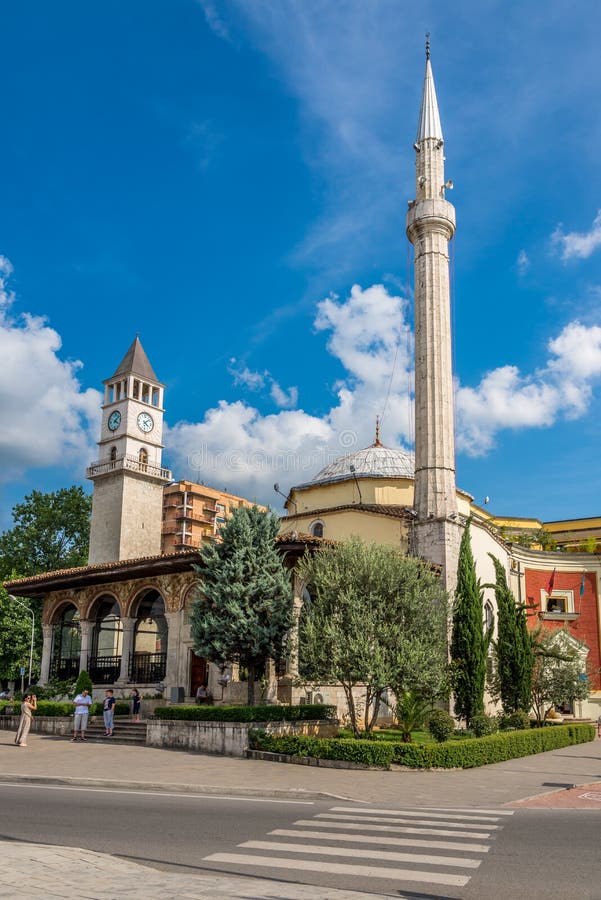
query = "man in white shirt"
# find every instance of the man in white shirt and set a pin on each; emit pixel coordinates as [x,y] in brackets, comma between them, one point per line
[82,705]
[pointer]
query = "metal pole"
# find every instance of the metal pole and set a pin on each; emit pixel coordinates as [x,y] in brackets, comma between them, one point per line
[30,611]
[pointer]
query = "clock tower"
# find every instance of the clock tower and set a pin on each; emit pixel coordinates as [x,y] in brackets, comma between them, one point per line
[127,506]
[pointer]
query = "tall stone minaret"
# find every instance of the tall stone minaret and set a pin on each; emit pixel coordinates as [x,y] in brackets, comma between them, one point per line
[430,226]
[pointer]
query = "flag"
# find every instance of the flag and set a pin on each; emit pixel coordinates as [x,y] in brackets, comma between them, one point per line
[582,585]
[551,583]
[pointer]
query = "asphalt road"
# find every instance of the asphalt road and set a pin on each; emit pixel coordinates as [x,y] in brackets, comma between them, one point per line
[398,851]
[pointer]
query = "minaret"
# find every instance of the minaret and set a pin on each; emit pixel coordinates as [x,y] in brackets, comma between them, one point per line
[127,505]
[430,227]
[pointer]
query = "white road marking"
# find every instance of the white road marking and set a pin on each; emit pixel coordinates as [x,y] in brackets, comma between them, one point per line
[87,790]
[388,856]
[332,868]
[397,829]
[411,812]
[475,809]
[381,839]
[402,819]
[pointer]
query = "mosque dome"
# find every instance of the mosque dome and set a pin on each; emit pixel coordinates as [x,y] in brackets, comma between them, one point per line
[375,461]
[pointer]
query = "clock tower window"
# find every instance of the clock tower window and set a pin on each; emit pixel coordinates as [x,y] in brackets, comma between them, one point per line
[145,393]
[143,456]
[113,454]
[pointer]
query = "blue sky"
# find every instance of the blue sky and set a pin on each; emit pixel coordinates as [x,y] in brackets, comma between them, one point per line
[230,180]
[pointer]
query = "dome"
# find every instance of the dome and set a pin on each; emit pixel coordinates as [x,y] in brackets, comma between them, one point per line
[376,461]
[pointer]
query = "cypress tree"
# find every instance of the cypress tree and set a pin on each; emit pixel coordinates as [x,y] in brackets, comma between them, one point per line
[468,642]
[243,611]
[513,646]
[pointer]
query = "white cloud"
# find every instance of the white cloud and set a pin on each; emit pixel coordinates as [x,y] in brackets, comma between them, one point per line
[46,418]
[245,377]
[282,398]
[578,244]
[523,262]
[238,447]
[507,399]
[215,22]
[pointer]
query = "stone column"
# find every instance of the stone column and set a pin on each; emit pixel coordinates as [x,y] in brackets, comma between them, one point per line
[47,632]
[127,647]
[172,672]
[85,631]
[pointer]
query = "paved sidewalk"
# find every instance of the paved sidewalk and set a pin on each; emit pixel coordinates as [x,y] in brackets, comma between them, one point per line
[38,870]
[51,758]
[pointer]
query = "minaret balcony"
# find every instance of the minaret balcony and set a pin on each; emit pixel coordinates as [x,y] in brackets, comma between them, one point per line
[433,213]
[128,463]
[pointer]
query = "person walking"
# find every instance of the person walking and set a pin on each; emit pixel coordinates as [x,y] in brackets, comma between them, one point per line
[82,705]
[108,711]
[136,703]
[29,704]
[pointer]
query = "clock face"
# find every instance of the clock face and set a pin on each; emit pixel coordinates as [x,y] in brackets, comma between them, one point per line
[114,420]
[145,422]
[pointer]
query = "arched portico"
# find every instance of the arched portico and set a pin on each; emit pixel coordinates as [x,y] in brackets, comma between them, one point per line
[104,661]
[66,643]
[149,641]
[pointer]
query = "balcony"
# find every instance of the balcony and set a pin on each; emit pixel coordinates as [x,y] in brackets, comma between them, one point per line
[65,669]
[127,463]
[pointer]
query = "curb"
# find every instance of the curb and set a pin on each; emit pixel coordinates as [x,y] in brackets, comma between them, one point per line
[568,787]
[175,788]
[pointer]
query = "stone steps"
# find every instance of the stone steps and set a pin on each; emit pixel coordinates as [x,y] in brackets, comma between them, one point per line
[125,732]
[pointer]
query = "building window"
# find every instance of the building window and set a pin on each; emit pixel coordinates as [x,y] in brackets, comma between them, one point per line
[113,454]
[136,389]
[488,616]
[143,457]
[145,393]
[317,529]
[556,604]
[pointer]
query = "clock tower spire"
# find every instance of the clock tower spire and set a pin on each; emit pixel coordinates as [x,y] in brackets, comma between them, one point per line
[128,477]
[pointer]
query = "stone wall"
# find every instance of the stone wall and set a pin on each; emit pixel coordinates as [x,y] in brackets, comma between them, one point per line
[224,738]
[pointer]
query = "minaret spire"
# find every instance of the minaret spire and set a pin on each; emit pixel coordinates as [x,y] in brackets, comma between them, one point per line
[430,227]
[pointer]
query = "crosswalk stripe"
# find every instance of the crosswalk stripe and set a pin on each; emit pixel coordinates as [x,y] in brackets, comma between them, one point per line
[475,809]
[381,839]
[387,855]
[396,829]
[412,812]
[332,868]
[359,817]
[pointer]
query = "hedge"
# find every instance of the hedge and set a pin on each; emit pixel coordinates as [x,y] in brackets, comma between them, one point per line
[371,753]
[54,709]
[452,755]
[271,713]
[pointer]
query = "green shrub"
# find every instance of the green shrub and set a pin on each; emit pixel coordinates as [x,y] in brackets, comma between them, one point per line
[515,721]
[247,713]
[481,725]
[441,725]
[370,753]
[83,683]
[464,754]
[54,690]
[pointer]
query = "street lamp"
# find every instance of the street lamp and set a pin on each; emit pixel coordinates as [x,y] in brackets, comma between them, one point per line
[30,611]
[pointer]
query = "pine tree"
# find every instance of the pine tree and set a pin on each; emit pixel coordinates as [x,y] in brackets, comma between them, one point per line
[513,647]
[243,611]
[468,643]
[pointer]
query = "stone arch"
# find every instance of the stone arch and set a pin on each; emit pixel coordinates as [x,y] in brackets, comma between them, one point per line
[66,641]
[91,606]
[148,660]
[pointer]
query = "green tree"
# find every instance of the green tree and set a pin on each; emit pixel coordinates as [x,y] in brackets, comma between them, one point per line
[513,648]
[51,531]
[411,711]
[469,644]
[557,677]
[243,611]
[377,620]
[15,637]
[83,683]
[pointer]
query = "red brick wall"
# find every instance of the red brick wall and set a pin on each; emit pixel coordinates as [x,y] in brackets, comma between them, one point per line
[586,627]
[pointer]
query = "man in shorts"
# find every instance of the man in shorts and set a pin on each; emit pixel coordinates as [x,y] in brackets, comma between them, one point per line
[82,705]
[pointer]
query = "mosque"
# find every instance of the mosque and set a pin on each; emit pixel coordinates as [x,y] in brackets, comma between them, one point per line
[125,616]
